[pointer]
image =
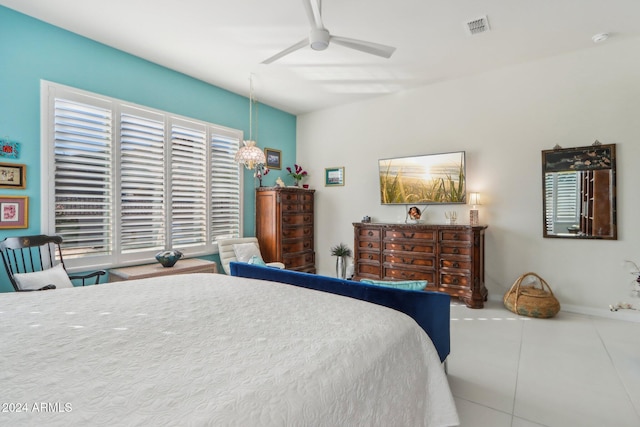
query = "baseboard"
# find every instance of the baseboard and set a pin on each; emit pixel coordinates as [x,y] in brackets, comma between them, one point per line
[622,314]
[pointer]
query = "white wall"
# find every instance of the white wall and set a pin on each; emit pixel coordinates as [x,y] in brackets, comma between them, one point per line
[503,120]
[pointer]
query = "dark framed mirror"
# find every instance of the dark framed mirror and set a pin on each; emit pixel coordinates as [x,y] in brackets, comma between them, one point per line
[579,192]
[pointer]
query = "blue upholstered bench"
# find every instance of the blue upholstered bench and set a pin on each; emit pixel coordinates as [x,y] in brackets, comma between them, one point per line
[430,310]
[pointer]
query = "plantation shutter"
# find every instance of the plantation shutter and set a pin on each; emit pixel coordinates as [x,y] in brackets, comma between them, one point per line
[225,185]
[142,163]
[121,182]
[83,179]
[188,186]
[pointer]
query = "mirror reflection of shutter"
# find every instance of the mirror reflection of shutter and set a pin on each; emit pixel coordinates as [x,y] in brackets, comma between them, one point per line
[549,184]
[567,200]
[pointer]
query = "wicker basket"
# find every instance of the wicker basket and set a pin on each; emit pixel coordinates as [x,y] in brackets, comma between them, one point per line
[530,300]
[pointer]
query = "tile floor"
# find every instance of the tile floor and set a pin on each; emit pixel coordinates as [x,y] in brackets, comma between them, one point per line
[568,371]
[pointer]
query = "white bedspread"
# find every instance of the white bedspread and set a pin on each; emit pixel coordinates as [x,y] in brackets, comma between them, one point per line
[214,350]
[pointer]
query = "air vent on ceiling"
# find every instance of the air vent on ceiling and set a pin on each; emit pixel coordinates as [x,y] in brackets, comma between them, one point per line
[479,25]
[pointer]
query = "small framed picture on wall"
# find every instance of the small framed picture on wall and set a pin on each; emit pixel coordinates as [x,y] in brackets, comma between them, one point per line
[14,212]
[13,175]
[274,158]
[334,177]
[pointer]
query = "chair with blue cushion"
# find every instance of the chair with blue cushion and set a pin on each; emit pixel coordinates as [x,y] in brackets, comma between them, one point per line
[35,263]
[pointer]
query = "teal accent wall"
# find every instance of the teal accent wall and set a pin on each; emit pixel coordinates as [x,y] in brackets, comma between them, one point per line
[31,51]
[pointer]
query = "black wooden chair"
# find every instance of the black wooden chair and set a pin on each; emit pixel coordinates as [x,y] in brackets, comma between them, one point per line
[30,262]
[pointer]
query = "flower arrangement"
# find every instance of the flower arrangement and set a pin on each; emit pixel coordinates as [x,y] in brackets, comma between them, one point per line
[298,174]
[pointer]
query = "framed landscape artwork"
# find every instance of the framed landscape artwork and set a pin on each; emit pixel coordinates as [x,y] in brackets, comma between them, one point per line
[274,158]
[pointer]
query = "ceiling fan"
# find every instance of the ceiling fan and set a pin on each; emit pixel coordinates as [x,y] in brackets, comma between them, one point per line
[319,37]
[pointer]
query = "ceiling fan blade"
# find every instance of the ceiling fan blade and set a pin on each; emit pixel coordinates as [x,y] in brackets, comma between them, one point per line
[297,46]
[363,46]
[312,7]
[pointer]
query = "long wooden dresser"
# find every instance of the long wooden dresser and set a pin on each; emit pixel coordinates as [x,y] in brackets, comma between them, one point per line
[284,226]
[449,257]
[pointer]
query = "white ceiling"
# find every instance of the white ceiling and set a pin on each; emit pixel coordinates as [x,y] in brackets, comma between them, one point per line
[223,42]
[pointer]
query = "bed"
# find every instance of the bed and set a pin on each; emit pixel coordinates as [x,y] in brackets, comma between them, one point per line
[211,349]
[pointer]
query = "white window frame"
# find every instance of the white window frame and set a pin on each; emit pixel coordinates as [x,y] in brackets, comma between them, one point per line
[49,91]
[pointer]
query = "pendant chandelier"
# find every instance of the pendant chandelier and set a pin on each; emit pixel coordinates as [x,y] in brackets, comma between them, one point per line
[250,155]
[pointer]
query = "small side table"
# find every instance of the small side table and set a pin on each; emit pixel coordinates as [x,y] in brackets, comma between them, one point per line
[183,266]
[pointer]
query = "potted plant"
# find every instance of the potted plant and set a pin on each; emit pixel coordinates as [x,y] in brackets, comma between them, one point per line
[342,252]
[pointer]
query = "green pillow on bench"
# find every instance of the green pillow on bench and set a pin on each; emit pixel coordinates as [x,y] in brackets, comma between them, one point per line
[407,285]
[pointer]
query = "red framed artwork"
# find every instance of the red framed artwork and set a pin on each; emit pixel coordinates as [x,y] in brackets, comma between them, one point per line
[14,212]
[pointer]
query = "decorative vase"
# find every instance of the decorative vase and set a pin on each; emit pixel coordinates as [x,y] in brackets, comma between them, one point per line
[341,267]
[168,258]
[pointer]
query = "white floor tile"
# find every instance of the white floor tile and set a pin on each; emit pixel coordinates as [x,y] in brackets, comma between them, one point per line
[572,370]
[474,415]
[519,422]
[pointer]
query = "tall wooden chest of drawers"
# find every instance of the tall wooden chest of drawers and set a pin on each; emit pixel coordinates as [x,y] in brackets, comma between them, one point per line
[449,257]
[284,226]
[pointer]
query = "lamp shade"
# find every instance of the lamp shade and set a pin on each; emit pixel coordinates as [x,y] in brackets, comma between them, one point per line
[474,198]
[250,155]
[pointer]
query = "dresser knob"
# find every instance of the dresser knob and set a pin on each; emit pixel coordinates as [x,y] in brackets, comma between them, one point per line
[456,250]
[455,237]
[370,233]
[455,281]
[456,265]
[370,245]
[370,256]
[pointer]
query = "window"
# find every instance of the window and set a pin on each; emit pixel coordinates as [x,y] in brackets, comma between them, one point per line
[122,182]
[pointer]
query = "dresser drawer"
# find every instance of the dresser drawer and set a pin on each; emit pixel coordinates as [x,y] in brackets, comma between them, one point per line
[461,264]
[370,270]
[454,236]
[293,232]
[297,218]
[291,207]
[455,250]
[456,281]
[406,274]
[299,260]
[369,233]
[287,197]
[429,235]
[410,260]
[296,245]
[364,244]
[421,247]
[369,256]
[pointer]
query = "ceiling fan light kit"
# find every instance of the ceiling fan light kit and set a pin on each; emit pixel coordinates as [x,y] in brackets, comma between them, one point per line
[320,38]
